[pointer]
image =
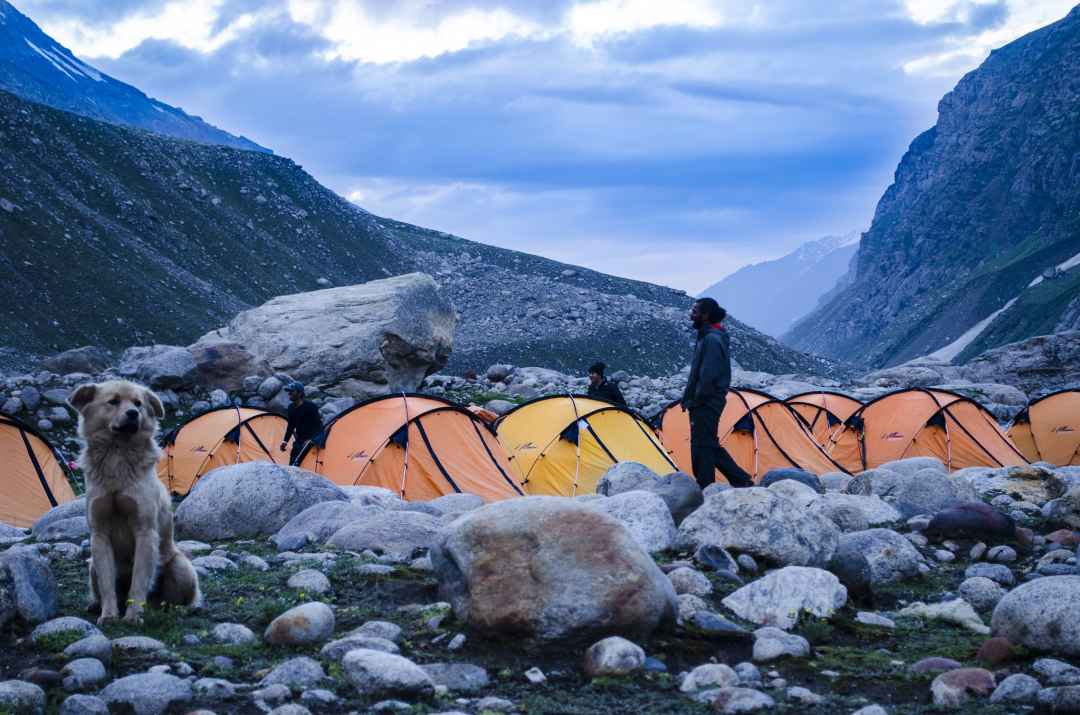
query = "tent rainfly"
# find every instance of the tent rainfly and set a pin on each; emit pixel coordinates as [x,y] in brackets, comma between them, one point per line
[228,435]
[34,478]
[418,446]
[923,423]
[758,431]
[1048,429]
[823,412]
[560,445]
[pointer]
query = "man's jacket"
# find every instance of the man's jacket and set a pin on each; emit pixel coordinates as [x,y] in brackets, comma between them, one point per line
[607,390]
[710,371]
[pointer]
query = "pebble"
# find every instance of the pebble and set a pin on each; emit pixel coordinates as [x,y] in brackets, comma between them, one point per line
[748,673]
[137,644]
[746,563]
[456,642]
[944,556]
[378,629]
[535,676]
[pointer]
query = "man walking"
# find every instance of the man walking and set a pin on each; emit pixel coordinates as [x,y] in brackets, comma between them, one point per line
[600,386]
[305,423]
[706,393]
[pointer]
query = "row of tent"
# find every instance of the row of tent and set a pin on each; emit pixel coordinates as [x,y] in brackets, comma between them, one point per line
[423,447]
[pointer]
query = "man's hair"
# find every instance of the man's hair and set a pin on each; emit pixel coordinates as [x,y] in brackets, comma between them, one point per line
[712,310]
[598,368]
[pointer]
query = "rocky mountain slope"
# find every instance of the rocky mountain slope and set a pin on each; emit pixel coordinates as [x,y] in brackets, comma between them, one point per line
[982,205]
[116,237]
[36,67]
[772,295]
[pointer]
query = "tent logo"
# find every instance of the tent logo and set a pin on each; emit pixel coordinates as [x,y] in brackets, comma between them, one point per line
[524,446]
[199,448]
[359,456]
[893,436]
[1062,429]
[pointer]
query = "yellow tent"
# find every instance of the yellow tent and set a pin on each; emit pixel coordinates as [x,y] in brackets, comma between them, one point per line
[229,435]
[1048,430]
[33,478]
[561,445]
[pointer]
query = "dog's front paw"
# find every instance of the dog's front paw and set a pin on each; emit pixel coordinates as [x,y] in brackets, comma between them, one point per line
[107,616]
[134,614]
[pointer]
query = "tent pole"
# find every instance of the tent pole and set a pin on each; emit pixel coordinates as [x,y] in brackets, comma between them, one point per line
[405,468]
[577,447]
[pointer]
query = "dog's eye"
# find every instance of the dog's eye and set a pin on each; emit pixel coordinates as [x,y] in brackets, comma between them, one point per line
[137,403]
[114,401]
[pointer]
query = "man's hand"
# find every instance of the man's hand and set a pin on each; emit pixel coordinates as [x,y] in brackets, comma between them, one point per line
[282,447]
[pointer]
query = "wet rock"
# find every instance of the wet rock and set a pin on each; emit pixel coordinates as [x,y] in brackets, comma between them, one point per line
[1017,688]
[376,674]
[612,656]
[308,623]
[146,693]
[779,598]
[957,687]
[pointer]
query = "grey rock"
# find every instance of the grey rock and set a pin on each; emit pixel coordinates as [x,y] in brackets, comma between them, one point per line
[128,645]
[83,705]
[710,675]
[271,694]
[995,572]
[74,529]
[146,693]
[307,623]
[309,581]
[644,514]
[741,700]
[167,367]
[19,697]
[64,624]
[1017,688]
[376,674]
[981,592]
[458,677]
[398,534]
[1057,672]
[379,629]
[83,674]
[1043,615]
[233,634]
[300,673]
[213,689]
[320,521]
[801,476]
[624,477]
[68,510]
[1065,700]
[771,643]
[335,650]
[457,503]
[93,646]
[691,581]
[30,583]
[889,556]
[779,598]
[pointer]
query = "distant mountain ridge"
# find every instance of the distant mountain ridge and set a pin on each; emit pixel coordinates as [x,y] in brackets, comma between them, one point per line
[37,68]
[772,295]
[983,206]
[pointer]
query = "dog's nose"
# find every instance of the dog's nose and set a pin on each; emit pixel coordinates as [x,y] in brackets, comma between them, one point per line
[132,414]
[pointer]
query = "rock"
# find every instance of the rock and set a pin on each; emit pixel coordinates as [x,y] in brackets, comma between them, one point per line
[625,477]
[320,521]
[803,696]
[1043,615]
[613,656]
[376,674]
[888,557]
[549,568]
[19,697]
[711,625]
[89,359]
[970,520]
[1061,701]
[94,646]
[934,665]
[213,689]
[308,623]
[871,710]
[842,508]
[995,651]
[741,700]
[956,611]
[995,572]
[710,675]
[309,581]
[834,482]
[137,644]
[691,581]
[224,364]
[679,491]
[379,629]
[499,373]
[250,499]
[779,598]
[458,677]
[716,559]
[29,581]
[746,563]
[981,592]
[373,338]
[926,491]
[761,523]
[1017,688]
[160,367]
[771,643]
[83,705]
[499,407]
[297,673]
[645,515]
[271,694]
[875,619]
[233,634]
[1057,672]
[957,687]
[457,503]
[73,529]
[65,624]
[1002,555]
[83,674]
[146,693]
[1065,509]
[336,649]
[209,564]
[398,534]
[802,495]
[802,476]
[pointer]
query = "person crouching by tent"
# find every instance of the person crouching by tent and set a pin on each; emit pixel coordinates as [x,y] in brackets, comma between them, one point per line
[305,423]
[706,394]
[601,387]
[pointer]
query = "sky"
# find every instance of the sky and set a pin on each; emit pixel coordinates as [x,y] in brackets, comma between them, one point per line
[666,140]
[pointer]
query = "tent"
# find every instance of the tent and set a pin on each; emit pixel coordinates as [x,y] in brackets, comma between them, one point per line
[562,444]
[758,431]
[34,478]
[418,446]
[923,423]
[823,412]
[1048,429]
[227,435]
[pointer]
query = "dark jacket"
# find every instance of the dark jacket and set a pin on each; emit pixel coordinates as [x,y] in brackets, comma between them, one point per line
[710,371]
[607,390]
[304,422]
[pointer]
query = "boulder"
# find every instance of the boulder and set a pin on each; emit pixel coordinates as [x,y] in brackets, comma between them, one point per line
[1065,509]
[680,491]
[644,514]
[888,557]
[955,688]
[971,520]
[320,521]
[1017,688]
[27,586]
[224,365]
[146,693]
[457,503]
[160,367]
[853,508]
[250,499]
[802,495]
[397,534]
[377,674]
[1042,615]
[549,568]
[799,475]
[925,491]
[710,675]
[21,698]
[67,510]
[305,624]
[357,341]
[957,611]
[981,592]
[771,643]
[762,523]
[302,672]
[89,359]
[780,598]
[458,677]
[624,477]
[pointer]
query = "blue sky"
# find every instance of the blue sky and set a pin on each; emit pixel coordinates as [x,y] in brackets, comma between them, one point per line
[670,141]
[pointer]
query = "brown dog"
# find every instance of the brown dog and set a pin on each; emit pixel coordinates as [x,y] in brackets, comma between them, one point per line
[132,555]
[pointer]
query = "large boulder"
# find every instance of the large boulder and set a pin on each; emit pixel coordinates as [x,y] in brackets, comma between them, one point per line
[27,586]
[644,514]
[779,598]
[764,524]
[360,341]
[320,521]
[74,509]
[89,359]
[550,568]
[679,491]
[224,364]
[1043,362]
[971,520]
[249,500]
[845,509]
[799,475]
[1043,615]
[399,535]
[925,491]
[162,367]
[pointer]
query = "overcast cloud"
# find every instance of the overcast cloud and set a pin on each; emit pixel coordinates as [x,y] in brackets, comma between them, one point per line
[670,141]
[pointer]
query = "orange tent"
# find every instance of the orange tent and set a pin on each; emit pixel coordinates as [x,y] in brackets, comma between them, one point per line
[758,431]
[418,446]
[228,435]
[923,423]
[1048,429]
[34,478]
[823,412]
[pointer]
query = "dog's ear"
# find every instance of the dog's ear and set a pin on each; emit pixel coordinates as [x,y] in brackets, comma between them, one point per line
[155,404]
[82,396]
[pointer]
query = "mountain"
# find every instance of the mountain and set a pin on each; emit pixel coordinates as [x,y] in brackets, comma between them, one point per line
[116,236]
[772,295]
[982,206]
[36,67]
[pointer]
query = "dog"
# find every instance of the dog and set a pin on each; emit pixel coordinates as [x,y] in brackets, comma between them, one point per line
[133,558]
